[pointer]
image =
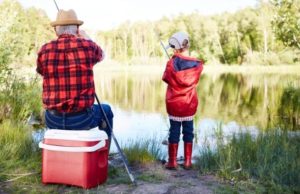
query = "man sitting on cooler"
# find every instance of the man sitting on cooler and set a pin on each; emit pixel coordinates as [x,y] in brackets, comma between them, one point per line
[66,65]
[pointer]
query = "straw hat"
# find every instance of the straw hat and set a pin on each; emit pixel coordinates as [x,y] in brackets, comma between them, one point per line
[64,18]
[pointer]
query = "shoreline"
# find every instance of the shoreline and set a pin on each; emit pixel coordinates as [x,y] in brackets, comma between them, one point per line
[113,68]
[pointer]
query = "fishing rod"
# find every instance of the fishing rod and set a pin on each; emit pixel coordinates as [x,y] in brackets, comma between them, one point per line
[162,44]
[165,140]
[117,144]
[112,134]
[56,5]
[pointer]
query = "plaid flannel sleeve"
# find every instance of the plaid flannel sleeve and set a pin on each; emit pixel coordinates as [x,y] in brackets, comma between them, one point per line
[98,53]
[39,68]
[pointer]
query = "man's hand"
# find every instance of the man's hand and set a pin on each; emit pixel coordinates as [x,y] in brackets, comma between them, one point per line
[83,34]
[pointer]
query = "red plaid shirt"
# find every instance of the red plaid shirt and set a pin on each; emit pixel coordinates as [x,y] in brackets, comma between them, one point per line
[66,65]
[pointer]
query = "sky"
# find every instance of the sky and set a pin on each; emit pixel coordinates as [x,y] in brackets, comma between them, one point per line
[105,15]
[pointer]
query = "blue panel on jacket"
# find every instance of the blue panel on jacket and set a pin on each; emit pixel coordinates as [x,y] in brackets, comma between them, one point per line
[182,64]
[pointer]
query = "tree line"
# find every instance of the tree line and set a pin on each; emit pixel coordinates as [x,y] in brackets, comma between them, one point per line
[268,34]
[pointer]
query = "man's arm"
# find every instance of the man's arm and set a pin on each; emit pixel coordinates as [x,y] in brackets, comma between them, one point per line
[98,52]
[39,68]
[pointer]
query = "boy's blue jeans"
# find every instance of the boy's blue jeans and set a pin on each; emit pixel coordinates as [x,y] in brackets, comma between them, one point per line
[93,117]
[187,131]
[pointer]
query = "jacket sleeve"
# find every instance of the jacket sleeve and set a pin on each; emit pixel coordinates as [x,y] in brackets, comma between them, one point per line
[167,73]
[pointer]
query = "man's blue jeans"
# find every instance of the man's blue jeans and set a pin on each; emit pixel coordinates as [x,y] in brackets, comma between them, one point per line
[187,131]
[93,117]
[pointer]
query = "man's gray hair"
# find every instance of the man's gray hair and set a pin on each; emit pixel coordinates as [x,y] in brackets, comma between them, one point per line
[69,29]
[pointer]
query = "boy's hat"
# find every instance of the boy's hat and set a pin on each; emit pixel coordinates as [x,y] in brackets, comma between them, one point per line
[64,18]
[179,40]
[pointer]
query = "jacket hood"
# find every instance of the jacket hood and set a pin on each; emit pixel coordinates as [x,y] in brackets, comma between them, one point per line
[186,70]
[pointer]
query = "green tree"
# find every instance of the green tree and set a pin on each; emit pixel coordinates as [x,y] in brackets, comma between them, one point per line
[286,22]
[22,32]
[10,34]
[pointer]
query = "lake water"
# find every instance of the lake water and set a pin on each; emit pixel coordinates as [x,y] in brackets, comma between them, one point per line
[233,102]
[236,102]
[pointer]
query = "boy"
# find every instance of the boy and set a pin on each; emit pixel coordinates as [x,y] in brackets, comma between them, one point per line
[182,74]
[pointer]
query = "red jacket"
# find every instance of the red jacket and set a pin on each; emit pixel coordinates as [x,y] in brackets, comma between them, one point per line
[182,74]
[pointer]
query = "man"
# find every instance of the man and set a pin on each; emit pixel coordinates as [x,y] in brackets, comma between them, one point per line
[66,65]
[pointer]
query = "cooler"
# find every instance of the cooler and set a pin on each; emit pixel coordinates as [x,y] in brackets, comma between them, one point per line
[75,157]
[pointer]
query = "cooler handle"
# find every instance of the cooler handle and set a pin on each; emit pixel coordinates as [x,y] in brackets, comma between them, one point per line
[99,145]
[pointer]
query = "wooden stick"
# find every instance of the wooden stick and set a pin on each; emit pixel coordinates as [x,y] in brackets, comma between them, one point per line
[19,176]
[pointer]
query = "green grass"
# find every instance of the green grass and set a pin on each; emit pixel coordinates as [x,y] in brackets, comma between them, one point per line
[143,151]
[16,142]
[153,177]
[272,158]
[19,155]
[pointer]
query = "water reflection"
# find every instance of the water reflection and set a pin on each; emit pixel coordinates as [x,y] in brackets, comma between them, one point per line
[132,125]
[265,101]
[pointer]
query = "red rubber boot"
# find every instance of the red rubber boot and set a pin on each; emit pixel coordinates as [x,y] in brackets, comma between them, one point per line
[172,163]
[188,149]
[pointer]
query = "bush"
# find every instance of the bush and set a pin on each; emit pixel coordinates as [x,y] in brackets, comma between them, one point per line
[288,57]
[257,58]
[253,58]
[19,99]
[271,58]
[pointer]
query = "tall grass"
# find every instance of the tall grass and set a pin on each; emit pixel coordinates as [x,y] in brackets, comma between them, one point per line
[18,152]
[15,141]
[272,158]
[143,151]
[18,155]
[19,98]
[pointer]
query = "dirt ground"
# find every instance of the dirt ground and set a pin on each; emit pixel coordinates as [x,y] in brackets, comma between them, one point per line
[151,179]
[157,180]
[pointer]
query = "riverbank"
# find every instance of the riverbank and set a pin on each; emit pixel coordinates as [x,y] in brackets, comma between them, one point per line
[109,67]
[268,163]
